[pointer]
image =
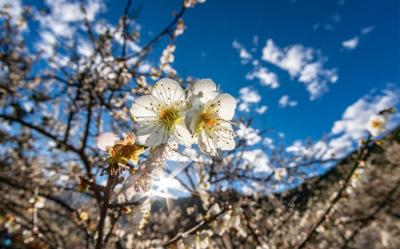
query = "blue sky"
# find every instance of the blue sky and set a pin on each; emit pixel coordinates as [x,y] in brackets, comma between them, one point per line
[206,51]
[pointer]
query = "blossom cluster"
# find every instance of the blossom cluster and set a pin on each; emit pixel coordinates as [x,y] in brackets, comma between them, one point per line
[198,115]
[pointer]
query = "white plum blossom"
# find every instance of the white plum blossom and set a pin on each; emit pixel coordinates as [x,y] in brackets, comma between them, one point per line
[200,240]
[209,120]
[106,140]
[228,220]
[203,91]
[160,115]
[38,201]
[377,124]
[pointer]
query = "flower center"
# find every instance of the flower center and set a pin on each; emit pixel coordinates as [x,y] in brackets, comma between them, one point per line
[377,124]
[206,121]
[168,117]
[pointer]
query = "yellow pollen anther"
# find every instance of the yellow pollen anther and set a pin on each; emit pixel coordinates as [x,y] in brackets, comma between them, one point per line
[168,116]
[206,120]
[376,124]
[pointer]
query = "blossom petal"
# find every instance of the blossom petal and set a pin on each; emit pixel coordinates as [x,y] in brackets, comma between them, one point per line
[191,120]
[202,92]
[105,140]
[204,87]
[226,105]
[223,134]
[145,108]
[158,135]
[183,135]
[144,134]
[206,144]
[168,91]
[146,129]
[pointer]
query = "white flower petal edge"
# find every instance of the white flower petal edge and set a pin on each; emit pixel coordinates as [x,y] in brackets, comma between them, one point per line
[143,110]
[168,91]
[160,115]
[226,106]
[204,85]
[203,91]
[183,135]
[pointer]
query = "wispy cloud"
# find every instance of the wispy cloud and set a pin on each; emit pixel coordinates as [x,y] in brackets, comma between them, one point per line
[367,30]
[248,97]
[351,127]
[264,76]
[244,55]
[329,25]
[351,43]
[285,101]
[304,64]
[64,13]
[262,109]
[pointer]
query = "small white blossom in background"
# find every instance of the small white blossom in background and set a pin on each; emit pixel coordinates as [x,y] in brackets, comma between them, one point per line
[263,246]
[192,3]
[180,28]
[106,140]
[209,120]
[377,124]
[200,240]
[28,236]
[38,202]
[280,174]
[226,221]
[358,177]
[140,214]
[166,59]
[83,215]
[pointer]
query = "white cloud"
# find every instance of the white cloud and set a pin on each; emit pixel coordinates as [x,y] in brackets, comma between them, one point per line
[244,107]
[357,115]
[63,13]
[248,96]
[285,101]
[329,25]
[261,109]
[268,142]
[244,55]
[347,132]
[265,77]
[85,48]
[351,43]
[298,148]
[304,64]
[352,127]
[367,30]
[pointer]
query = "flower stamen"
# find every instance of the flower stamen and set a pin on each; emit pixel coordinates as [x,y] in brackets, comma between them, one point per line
[168,116]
